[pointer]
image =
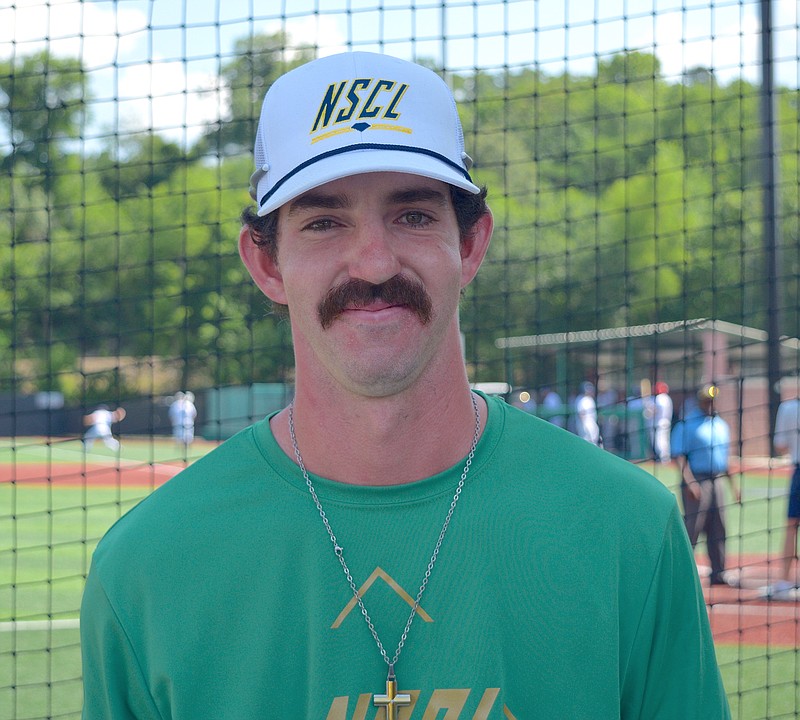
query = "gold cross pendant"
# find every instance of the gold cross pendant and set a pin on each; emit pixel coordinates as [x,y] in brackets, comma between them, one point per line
[391,700]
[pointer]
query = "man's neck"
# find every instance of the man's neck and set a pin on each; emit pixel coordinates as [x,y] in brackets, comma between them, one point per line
[381,441]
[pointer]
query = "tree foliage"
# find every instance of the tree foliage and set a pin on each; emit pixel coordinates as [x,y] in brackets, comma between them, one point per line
[43,100]
[619,198]
[258,61]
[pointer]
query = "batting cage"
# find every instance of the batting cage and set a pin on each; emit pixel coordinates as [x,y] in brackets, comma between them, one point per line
[642,160]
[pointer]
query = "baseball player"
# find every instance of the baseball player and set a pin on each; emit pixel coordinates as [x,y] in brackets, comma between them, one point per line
[99,423]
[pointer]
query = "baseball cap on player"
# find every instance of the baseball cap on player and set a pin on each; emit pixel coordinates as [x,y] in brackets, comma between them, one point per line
[707,392]
[352,113]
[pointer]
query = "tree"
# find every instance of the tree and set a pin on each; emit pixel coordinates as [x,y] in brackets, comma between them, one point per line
[258,61]
[629,68]
[137,164]
[619,198]
[43,102]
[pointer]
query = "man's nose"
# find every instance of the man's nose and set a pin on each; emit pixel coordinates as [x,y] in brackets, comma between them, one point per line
[373,254]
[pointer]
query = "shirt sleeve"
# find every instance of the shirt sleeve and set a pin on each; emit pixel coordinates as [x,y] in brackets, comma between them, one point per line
[113,683]
[783,422]
[672,671]
[676,439]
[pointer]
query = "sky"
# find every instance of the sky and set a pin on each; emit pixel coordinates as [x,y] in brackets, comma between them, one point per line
[154,63]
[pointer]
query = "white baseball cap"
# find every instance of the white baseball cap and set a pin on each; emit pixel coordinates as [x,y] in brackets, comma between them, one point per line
[352,113]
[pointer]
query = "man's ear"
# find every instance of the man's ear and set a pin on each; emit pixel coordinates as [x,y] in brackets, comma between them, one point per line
[474,247]
[263,269]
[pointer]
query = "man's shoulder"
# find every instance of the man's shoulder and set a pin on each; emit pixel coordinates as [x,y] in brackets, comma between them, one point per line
[690,422]
[538,470]
[720,421]
[790,407]
[788,418]
[188,501]
[548,454]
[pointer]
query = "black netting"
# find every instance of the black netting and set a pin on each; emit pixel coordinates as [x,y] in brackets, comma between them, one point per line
[643,165]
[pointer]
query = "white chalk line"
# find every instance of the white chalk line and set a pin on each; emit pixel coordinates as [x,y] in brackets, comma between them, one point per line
[39,625]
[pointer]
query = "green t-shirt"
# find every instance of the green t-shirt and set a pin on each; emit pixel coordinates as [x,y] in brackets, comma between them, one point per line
[565,588]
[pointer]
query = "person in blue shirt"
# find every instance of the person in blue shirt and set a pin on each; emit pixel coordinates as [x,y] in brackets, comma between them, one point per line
[701,446]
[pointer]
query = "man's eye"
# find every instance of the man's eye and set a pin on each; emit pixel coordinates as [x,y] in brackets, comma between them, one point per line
[319,225]
[416,218]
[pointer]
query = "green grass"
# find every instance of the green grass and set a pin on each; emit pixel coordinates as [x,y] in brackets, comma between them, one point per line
[41,673]
[48,534]
[761,684]
[46,542]
[133,449]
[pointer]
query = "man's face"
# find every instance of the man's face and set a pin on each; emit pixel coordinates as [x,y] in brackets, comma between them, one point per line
[371,268]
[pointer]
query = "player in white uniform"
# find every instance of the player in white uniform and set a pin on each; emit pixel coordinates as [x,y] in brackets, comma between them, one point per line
[552,402]
[658,418]
[182,414]
[586,411]
[99,423]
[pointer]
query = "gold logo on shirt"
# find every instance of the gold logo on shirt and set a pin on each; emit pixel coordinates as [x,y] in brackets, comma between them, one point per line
[452,702]
[379,573]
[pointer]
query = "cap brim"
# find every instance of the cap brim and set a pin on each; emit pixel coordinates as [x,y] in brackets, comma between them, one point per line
[358,162]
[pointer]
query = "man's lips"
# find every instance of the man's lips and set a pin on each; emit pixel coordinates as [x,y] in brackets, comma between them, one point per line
[377,312]
[374,307]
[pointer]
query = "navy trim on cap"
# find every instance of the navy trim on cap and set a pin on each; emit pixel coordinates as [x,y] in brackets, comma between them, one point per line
[363,146]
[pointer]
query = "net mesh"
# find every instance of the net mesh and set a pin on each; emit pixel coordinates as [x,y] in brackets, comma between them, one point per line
[642,160]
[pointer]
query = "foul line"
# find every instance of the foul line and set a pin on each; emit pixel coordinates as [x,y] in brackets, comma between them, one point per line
[774,609]
[15,625]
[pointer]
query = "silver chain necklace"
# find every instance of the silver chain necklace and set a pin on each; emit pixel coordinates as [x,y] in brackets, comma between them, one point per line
[391,699]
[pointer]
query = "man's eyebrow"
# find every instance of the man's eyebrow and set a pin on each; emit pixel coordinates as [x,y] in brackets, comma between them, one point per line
[318,200]
[417,194]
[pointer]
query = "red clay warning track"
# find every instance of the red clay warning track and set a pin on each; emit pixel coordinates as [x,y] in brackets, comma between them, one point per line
[125,473]
[742,615]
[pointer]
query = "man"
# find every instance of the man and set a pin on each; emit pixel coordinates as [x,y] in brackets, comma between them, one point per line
[701,444]
[658,418]
[99,423]
[606,401]
[553,405]
[391,544]
[787,440]
[586,415]
[182,414]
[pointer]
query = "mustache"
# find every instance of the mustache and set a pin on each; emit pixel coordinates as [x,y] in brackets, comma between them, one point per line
[398,290]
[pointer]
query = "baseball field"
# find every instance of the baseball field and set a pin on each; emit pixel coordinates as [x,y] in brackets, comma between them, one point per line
[57,501]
